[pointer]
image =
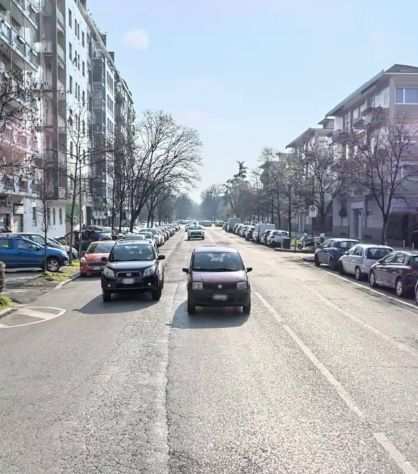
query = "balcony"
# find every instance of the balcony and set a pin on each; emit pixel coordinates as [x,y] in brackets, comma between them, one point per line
[60,17]
[18,44]
[28,10]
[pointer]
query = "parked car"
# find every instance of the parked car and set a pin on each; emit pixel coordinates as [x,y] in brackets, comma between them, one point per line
[219,223]
[248,232]
[133,267]
[206,223]
[260,229]
[196,232]
[19,252]
[277,238]
[398,271]
[265,235]
[331,250]
[95,258]
[359,259]
[217,277]
[40,239]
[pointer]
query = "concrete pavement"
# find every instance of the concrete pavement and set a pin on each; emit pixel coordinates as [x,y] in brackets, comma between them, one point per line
[322,377]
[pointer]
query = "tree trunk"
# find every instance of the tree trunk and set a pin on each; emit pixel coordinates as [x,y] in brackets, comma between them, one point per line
[385,218]
[289,213]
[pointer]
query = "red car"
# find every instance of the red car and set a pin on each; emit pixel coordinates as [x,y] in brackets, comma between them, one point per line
[95,258]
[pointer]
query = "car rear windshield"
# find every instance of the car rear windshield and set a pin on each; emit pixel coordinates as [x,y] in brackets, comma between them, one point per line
[100,247]
[132,253]
[377,253]
[217,262]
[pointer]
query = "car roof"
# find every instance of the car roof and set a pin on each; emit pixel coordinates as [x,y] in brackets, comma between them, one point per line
[132,242]
[214,248]
[342,239]
[374,246]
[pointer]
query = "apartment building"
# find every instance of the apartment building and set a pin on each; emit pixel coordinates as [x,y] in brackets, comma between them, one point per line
[390,97]
[102,132]
[312,140]
[124,137]
[19,30]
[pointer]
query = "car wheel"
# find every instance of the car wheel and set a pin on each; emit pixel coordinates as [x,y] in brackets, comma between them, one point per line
[317,264]
[156,295]
[416,295]
[341,268]
[191,308]
[399,288]
[107,296]
[247,309]
[372,280]
[52,264]
[357,274]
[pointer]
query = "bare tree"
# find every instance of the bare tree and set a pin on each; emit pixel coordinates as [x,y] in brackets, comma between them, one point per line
[384,163]
[166,153]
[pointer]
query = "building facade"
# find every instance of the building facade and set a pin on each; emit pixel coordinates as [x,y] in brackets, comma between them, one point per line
[59,50]
[19,141]
[389,98]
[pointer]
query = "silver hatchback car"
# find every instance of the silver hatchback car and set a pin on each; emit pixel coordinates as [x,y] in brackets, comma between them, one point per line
[358,260]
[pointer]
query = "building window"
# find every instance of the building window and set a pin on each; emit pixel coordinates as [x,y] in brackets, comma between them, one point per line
[83,128]
[71,149]
[83,40]
[83,98]
[60,215]
[407,95]
[34,216]
[71,84]
[84,68]
[70,51]
[49,216]
[70,18]
[54,216]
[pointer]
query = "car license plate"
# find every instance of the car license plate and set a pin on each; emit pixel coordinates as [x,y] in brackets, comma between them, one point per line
[128,281]
[96,267]
[220,297]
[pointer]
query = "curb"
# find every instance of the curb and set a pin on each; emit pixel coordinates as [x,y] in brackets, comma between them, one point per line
[65,282]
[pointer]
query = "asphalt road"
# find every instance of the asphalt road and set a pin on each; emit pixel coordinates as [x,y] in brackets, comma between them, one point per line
[321,378]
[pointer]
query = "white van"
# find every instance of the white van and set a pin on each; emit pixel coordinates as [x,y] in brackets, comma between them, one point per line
[259,229]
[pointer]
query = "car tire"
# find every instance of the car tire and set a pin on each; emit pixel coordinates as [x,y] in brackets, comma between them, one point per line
[341,268]
[156,294]
[317,264]
[247,309]
[372,280]
[399,288]
[53,264]
[191,308]
[357,274]
[416,295]
[107,296]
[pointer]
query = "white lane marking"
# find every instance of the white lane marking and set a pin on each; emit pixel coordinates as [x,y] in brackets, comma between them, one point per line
[34,312]
[399,345]
[372,290]
[400,460]
[326,373]
[268,306]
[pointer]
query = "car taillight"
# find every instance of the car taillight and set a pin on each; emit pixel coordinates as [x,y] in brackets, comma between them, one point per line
[83,261]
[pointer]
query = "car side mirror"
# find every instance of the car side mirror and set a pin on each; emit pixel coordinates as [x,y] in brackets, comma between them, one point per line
[161,257]
[104,260]
[185,270]
[249,269]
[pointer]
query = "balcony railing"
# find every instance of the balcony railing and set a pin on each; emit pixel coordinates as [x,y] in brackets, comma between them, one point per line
[18,44]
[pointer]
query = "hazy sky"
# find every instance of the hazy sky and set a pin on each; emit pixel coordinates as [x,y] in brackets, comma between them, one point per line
[249,74]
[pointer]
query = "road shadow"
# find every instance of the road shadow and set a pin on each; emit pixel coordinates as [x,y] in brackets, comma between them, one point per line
[121,303]
[208,318]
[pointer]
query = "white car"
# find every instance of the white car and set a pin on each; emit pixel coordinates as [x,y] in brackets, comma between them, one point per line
[195,232]
[275,238]
[358,260]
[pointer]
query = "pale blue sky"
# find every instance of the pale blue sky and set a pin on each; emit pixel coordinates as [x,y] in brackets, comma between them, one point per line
[252,73]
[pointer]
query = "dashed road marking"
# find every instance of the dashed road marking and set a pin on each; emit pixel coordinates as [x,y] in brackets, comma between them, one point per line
[400,460]
[325,372]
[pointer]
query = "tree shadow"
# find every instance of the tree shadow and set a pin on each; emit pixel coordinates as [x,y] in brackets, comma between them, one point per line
[208,318]
[121,303]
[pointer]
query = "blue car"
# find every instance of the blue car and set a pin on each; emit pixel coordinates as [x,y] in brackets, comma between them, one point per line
[19,252]
[331,250]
